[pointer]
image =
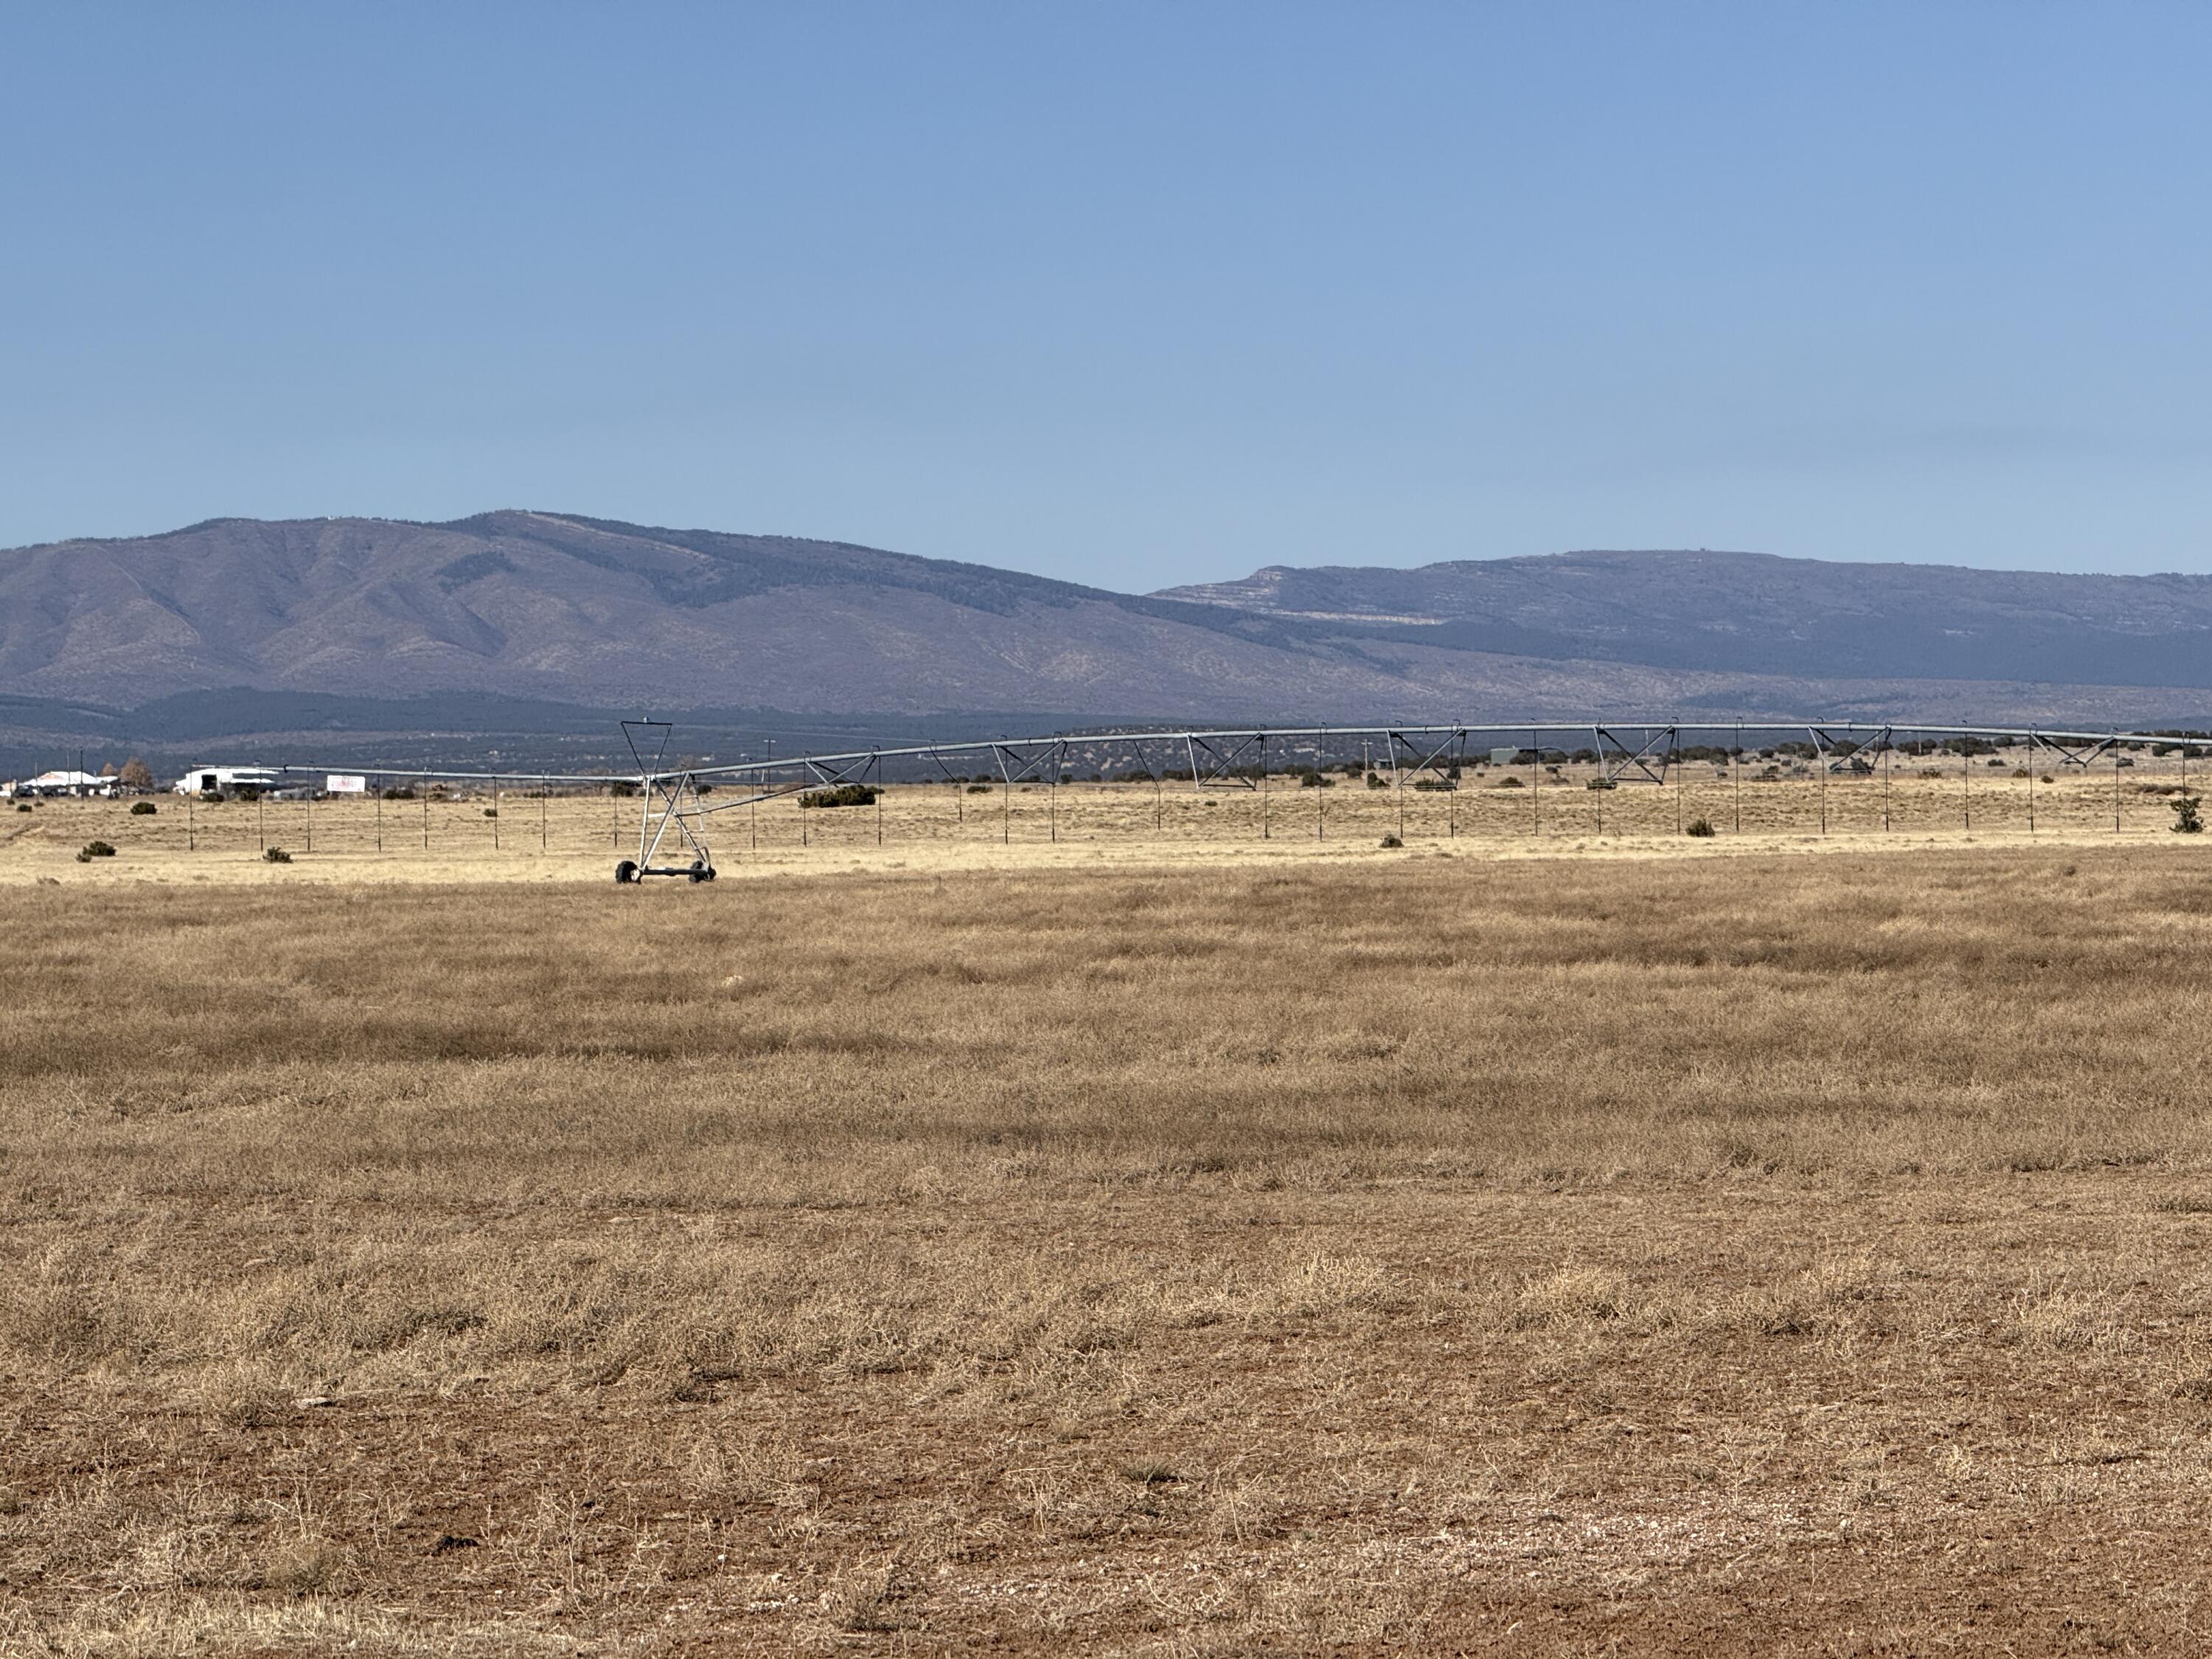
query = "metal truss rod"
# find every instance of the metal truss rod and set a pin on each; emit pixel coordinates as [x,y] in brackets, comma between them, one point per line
[1015,766]
[1215,752]
[1220,770]
[1835,758]
[1617,763]
[2071,751]
[1452,751]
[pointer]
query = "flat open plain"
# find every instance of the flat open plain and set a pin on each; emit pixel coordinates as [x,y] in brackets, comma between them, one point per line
[478,834]
[1117,1244]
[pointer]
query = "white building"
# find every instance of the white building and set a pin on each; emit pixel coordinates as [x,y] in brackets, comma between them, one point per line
[66,783]
[198,779]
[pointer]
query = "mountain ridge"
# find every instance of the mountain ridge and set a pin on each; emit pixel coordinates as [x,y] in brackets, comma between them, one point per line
[1763,613]
[596,612]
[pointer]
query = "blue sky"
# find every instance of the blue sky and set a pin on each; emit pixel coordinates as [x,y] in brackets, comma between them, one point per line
[1124,293]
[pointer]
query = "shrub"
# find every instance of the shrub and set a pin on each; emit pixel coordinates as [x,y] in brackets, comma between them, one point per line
[2047,778]
[98,849]
[276,855]
[401,794]
[491,811]
[22,806]
[143,809]
[247,791]
[1392,841]
[620,790]
[1377,780]
[1511,783]
[845,794]
[1698,827]
[137,775]
[2187,821]
[211,797]
[979,788]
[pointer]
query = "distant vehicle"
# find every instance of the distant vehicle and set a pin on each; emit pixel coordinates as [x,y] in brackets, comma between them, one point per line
[201,780]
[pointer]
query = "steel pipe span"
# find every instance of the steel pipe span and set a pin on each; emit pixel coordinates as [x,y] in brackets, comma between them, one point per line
[671,838]
[1826,735]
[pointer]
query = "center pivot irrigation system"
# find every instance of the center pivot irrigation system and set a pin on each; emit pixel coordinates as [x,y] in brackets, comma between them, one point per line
[672,828]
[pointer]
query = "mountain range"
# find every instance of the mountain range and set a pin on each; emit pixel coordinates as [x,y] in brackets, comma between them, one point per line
[593,615]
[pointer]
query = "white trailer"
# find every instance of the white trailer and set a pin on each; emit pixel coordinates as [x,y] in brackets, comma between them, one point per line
[199,779]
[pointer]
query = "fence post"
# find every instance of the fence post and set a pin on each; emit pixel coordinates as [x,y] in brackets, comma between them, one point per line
[1535,780]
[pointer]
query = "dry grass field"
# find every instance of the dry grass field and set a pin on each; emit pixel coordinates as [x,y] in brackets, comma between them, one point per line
[478,835]
[1391,1252]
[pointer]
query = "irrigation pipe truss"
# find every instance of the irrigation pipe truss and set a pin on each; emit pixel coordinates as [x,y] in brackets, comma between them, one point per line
[1627,751]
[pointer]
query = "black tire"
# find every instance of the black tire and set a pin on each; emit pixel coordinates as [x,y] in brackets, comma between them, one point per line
[702,871]
[625,873]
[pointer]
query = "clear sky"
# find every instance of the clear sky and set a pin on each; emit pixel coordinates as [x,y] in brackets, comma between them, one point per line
[1124,293]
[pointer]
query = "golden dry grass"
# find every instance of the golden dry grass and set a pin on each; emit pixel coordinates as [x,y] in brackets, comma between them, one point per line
[1743,1254]
[940,828]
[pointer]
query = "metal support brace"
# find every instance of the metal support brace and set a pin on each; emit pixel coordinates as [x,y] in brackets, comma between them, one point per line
[2070,753]
[1042,764]
[1445,759]
[1617,763]
[1220,770]
[1852,764]
[815,774]
[855,769]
